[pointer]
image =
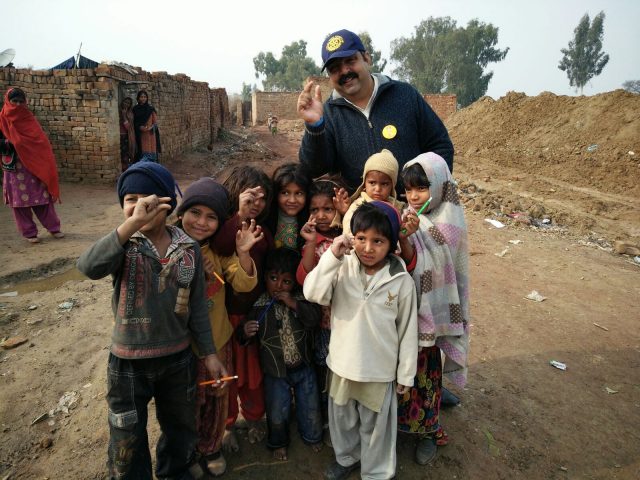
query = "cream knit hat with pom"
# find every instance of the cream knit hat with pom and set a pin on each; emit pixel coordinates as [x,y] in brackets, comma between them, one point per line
[384,162]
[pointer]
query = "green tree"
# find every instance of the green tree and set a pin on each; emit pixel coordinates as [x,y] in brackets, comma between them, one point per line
[632,86]
[584,59]
[441,57]
[287,73]
[377,62]
[247,91]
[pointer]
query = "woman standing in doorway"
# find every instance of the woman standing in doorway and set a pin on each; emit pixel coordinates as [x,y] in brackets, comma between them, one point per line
[146,128]
[127,134]
[30,174]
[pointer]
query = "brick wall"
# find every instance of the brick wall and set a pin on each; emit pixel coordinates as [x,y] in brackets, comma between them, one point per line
[79,113]
[325,86]
[219,114]
[443,105]
[78,109]
[281,104]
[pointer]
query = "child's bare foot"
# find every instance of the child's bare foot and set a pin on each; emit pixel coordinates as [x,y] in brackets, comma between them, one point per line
[216,464]
[280,453]
[256,432]
[317,447]
[230,441]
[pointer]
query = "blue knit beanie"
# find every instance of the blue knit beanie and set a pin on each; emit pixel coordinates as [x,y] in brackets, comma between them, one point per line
[392,215]
[148,178]
[394,219]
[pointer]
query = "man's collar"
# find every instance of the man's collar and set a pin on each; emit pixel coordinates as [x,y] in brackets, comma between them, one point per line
[378,78]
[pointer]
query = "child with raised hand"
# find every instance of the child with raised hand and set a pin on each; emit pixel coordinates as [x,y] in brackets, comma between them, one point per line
[288,212]
[159,307]
[325,224]
[379,181]
[250,193]
[282,321]
[441,277]
[204,209]
[374,344]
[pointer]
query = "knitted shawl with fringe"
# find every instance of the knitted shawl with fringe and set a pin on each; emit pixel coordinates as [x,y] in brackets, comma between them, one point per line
[441,274]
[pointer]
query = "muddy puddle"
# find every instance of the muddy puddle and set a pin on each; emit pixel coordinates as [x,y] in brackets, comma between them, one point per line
[42,284]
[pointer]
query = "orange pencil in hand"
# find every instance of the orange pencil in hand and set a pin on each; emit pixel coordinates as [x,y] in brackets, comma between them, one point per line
[219,380]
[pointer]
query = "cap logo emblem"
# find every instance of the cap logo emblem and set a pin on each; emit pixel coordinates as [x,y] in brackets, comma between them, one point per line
[334,43]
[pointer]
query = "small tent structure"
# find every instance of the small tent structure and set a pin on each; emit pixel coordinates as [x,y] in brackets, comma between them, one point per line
[77,61]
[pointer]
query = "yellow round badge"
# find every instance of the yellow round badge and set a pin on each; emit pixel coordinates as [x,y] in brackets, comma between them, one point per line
[389,132]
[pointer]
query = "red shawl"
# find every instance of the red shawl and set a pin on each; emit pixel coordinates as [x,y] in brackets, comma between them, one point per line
[24,132]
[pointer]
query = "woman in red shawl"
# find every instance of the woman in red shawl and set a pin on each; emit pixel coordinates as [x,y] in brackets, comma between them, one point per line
[30,175]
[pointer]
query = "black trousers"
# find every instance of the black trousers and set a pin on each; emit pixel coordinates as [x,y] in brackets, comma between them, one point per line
[132,384]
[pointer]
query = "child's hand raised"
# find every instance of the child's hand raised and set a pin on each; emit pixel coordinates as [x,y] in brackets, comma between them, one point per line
[147,208]
[251,328]
[246,201]
[248,236]
[342,245]
[144,211]
[341,200]
[308,230]
[410,224]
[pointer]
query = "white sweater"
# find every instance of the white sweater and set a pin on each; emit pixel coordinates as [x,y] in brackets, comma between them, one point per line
[374,332]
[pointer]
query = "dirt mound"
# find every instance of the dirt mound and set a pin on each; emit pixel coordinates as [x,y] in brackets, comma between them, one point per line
[584,141]
[574,158]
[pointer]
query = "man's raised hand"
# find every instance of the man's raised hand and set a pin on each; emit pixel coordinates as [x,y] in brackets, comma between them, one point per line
[310,104]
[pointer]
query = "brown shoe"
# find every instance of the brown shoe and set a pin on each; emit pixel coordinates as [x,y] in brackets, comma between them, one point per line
[33,240]
[57,234]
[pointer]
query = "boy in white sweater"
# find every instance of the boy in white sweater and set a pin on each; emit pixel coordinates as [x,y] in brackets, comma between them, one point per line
[374,340]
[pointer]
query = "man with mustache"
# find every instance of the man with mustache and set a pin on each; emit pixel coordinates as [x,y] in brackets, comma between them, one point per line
[365,113]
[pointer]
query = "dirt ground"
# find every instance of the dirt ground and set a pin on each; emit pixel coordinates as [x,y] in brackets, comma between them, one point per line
[519,418]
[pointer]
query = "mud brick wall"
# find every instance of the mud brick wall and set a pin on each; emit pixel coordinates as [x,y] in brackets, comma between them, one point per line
[443,105]
[78,110]
[219,114]
[325,85]
[243,113]
[190,114]
[281,104]
[239,114]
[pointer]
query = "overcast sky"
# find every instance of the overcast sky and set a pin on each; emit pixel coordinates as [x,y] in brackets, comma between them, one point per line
[215,41]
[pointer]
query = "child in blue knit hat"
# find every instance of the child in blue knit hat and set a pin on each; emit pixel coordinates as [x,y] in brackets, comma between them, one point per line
[159,306]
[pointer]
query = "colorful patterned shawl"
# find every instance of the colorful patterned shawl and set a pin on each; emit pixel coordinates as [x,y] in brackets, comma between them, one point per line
[442,270]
